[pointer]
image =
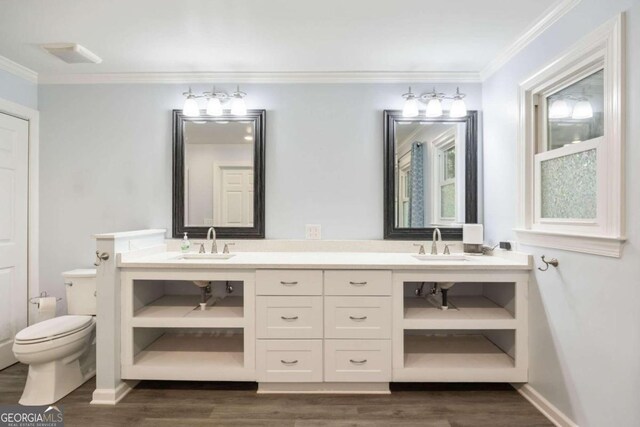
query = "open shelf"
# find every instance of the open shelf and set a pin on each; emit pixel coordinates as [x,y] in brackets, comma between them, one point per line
[465,312]
[453,352]
[195,356]
[459,357]
[180,311]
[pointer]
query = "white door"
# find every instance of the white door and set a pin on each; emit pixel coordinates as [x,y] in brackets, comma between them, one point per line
[13,232]
[236,202]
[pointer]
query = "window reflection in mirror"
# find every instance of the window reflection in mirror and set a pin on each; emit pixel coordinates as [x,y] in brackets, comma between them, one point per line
[219,173]
[576,113]
[429,186]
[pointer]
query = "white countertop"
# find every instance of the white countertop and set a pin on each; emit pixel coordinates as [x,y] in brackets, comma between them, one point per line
[327,260]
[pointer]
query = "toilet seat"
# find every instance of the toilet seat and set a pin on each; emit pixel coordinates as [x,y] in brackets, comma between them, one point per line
[53,329]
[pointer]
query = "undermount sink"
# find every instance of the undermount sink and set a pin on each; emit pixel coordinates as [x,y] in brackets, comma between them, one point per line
[205,256]
[440,257]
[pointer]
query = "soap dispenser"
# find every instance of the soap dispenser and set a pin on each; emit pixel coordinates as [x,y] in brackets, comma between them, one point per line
[186,245]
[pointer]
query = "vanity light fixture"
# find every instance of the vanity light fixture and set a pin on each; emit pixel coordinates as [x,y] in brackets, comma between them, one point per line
[238,107]
[215,102]
[410,105]
[214,106]
[433,100]
[191,108]
[458,106]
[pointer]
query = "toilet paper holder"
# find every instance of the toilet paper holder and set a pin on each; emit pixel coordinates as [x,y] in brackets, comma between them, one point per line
[43,294]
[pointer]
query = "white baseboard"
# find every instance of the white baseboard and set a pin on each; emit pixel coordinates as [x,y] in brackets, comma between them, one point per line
[554,415]
[111,396]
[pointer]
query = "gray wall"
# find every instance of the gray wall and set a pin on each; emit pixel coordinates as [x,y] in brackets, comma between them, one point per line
[584,317]
[105,156]
[18,90]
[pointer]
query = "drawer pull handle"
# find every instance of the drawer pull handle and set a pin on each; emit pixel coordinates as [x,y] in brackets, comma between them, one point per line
[358,362]
[358,283]
[358,318]
[289,362]
[289,318]
[288,283]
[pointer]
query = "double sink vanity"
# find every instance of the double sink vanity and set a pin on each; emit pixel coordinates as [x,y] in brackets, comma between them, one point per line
[312,315]
[336,319]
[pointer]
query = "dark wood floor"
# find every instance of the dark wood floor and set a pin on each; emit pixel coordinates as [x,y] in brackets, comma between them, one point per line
[160,403]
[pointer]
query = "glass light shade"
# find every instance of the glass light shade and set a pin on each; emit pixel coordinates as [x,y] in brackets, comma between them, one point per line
[582,110]
[434,108]
[559,109]
[214,107]
[410,108]
[191,108]
[458,108]
[238,107]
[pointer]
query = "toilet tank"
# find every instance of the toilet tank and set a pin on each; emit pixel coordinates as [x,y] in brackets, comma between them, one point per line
[81,291]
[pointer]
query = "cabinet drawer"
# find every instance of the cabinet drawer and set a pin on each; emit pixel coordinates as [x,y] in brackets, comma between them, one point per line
[357,317]
[357,360]
[289,282]
[357,282]
[289,361]
[289,317]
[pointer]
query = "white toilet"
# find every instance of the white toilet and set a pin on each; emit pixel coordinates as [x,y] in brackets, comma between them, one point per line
[60,352]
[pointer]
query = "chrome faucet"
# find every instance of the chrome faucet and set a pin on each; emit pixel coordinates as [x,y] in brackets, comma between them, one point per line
[434,246]
[214,245]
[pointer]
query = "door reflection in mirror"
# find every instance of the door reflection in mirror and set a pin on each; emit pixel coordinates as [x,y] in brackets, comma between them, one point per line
[219,173]
[430,191]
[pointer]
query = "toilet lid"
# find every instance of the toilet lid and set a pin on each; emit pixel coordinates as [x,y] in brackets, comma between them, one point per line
[53,327]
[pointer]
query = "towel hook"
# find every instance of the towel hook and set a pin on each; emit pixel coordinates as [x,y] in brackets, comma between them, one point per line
[100,257]
[553,261]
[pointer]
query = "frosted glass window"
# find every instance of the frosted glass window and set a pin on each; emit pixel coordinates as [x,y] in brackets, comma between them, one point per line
[450,164]
[448,201]
[569,186]
[576,113]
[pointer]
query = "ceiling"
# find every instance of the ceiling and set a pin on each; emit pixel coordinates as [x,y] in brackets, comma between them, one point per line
[267,35]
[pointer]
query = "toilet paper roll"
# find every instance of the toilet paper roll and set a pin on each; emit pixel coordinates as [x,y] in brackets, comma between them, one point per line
[472,234]
[47,308]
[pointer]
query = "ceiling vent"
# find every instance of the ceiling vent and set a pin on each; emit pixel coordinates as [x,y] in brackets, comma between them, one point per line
[72,53]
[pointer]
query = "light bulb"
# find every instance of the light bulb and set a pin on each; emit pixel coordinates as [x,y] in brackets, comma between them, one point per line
[434,108]
[410,108]
[191,108]
[458,108]
[238,107]
[214,108]
[559,109]
[582,110]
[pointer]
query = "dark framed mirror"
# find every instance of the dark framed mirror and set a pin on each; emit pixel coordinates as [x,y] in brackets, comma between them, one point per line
[218,175]
[430,175]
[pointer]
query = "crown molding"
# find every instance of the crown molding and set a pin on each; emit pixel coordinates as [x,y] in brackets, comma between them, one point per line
[548,18]
[263,77]
[18,70]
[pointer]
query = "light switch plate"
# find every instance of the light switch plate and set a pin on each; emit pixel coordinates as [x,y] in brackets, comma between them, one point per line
[313,231]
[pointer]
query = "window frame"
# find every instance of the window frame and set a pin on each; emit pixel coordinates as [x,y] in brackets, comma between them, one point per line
[602,49]
[441,145]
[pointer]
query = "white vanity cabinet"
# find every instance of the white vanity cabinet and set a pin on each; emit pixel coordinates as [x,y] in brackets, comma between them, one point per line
[323,323]
[165,335]
[331,326]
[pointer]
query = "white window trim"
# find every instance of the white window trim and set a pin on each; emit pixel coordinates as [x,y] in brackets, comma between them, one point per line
[604,46]
[440,144]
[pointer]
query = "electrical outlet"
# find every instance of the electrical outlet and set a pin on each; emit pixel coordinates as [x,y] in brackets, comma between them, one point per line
[313,231]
